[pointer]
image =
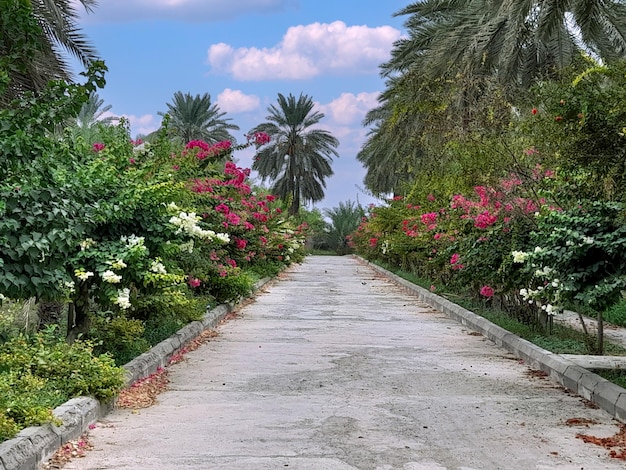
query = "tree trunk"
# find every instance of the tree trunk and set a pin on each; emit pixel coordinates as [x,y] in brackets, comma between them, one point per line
[600,333]
[77,314]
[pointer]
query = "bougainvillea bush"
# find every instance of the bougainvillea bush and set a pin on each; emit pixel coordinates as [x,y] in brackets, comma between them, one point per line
[135,238]
[467,242]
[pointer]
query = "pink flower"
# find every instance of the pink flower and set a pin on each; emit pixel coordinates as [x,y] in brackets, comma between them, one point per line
[455,258]
[232,262]
[486,291]
[132,161]
[233,218]
[484,220]
[194,282]
[260,138]
[430,220]
[430,197]
[98,146]
[241,244]
[223,208]
[433,288]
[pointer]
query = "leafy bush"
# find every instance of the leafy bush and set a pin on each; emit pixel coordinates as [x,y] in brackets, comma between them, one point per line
[42,371]
[119,336]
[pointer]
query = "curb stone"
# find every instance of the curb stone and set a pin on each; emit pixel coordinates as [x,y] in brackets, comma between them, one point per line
[34,445]
[599,391]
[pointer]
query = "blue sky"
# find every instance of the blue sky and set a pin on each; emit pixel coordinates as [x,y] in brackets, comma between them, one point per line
[243,53]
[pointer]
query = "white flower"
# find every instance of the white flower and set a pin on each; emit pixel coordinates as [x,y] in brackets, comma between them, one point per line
[111,277]
[82,274]
[88,243]
[556,283]
[158,268]
[538,249]
[588,240]
[119,264]
[132,241]
[523,293]
[544,272]
[123,298]
[520,256]
[187,247]
[223,237]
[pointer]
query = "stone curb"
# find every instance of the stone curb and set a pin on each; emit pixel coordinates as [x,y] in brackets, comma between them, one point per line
[34,445]
[601,392]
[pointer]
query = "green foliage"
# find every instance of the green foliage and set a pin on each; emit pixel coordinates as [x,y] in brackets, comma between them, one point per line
[616,313]
[579,256]
[73,369]
[40,372]
[344,219]
[119,336]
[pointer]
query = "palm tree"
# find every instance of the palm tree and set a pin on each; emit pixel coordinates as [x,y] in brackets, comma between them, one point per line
[90,118]
[196,118]
[344,220]
[517,40]
[34,36]
[298,158]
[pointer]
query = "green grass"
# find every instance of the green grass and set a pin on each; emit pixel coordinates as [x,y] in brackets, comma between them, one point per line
[616,314]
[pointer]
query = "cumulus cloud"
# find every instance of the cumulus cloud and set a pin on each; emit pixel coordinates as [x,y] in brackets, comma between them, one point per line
[350,108]
[235,101]
[307,51]
[119,11]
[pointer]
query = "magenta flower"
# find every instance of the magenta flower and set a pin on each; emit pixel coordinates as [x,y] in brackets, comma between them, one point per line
[455,258]
[486,291]
[260,138]
[98,147]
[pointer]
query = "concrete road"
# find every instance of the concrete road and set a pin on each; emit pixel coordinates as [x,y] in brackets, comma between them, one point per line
[333,367]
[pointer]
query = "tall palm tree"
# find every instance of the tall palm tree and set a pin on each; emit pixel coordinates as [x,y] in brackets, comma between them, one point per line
[298,158]
[517,40]
[196,118]
[34,36]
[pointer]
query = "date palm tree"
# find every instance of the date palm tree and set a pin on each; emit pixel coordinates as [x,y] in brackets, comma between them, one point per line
[344,219]
[35,35]
[196,118]
[517,40]
[298,158]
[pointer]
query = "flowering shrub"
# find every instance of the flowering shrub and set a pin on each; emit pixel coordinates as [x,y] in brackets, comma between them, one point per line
[578,258]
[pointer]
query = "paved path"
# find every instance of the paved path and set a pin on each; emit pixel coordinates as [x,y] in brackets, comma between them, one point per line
[333,367]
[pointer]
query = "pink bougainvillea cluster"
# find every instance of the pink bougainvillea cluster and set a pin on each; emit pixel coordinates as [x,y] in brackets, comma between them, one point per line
[465,236]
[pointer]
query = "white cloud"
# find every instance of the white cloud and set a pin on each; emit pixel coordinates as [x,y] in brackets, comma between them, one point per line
[308,51]
[350,108]
[124,11]
[143,125]
[235,101]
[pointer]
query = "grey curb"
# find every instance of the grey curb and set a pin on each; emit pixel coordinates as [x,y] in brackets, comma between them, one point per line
[34,445]
[601,392]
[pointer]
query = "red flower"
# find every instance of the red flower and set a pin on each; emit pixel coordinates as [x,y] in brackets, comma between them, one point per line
[486,291]
[534,111]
